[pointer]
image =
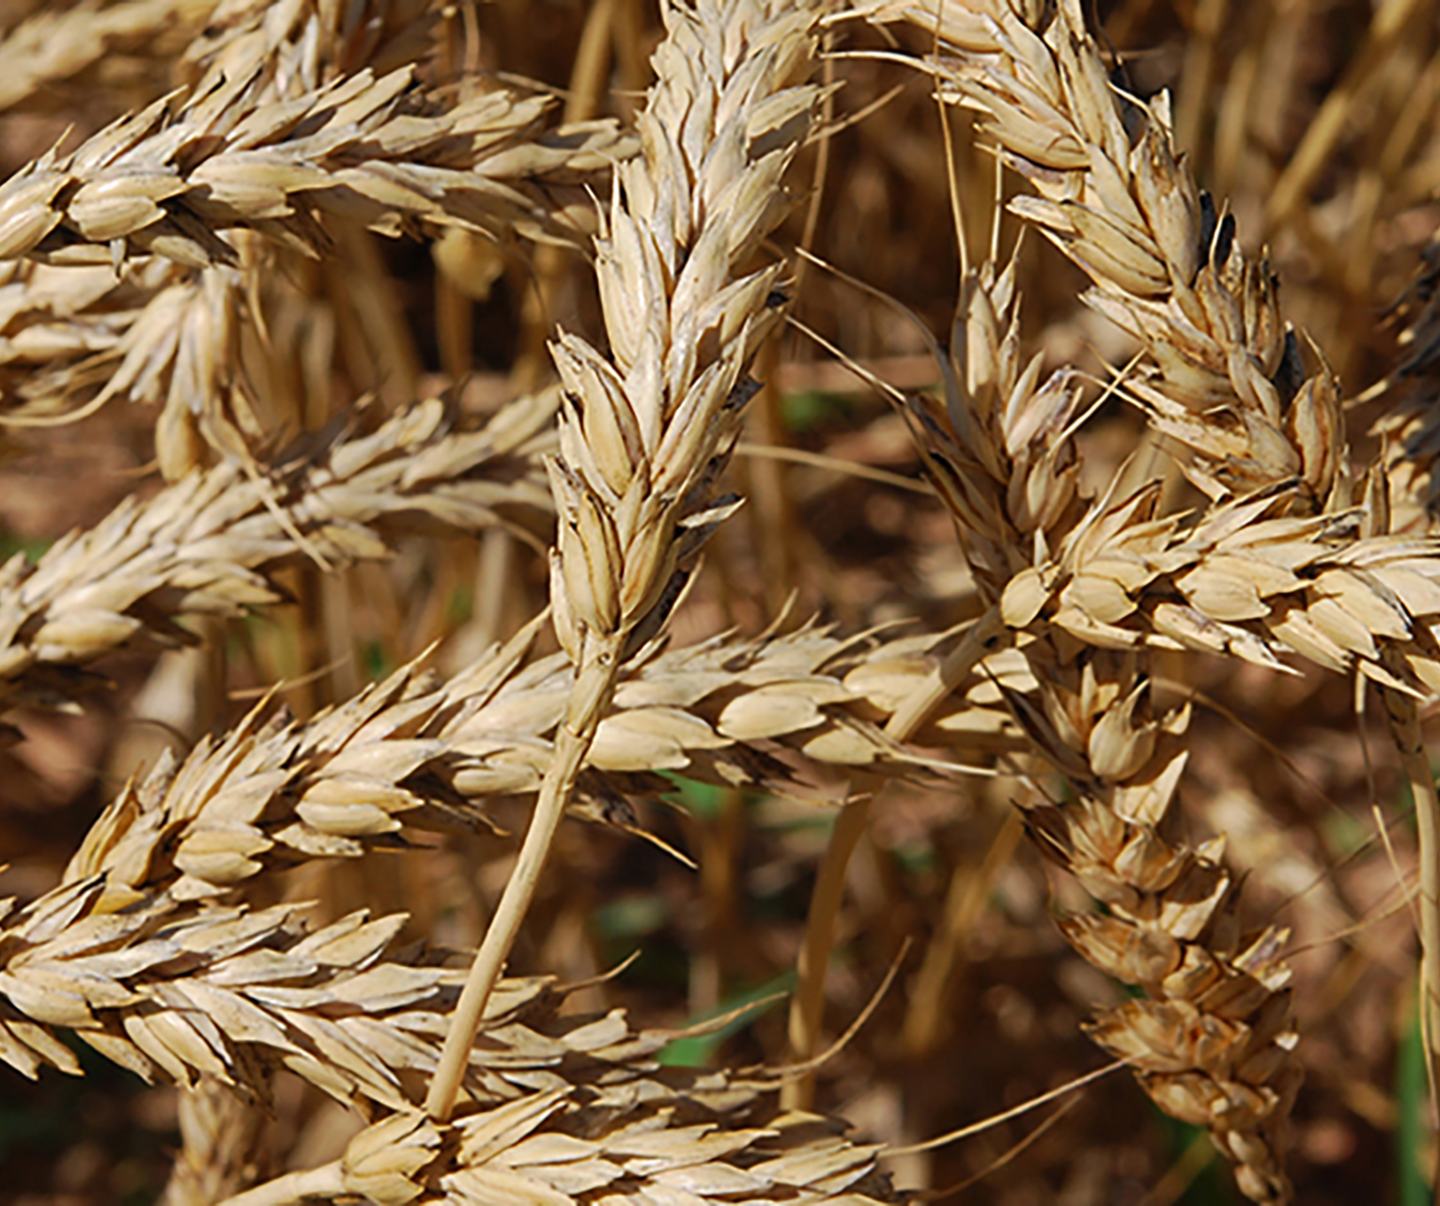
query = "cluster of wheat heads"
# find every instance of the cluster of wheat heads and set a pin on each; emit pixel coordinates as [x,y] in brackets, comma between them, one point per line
[232,237]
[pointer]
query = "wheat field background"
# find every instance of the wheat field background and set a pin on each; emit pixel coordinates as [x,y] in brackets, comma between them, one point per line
[722,601]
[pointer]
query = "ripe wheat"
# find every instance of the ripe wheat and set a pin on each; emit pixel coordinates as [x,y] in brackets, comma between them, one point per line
[188,247]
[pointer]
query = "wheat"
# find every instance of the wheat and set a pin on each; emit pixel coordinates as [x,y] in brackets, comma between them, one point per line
[1250,581]
[634,1140]
[180,992]
[222,1146]
[49,51]
[1211,1040]
[1120,547]
[1226,379]
[374,151]
[209,545]
[645,433]
[247,153]
[411,752]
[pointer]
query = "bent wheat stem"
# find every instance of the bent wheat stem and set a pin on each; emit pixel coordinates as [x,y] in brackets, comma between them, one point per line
[1404,716]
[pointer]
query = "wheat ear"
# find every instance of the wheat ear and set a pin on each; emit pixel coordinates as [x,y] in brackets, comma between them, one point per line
[633,1140]
[374,151]
[210,543]
[302,44]
[1225,378]
[55,47]
[182,992]
[644,434]
[1249,579]
[999,452]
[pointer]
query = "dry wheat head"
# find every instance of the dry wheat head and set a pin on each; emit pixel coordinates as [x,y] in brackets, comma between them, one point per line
[1225,378]
[210,543]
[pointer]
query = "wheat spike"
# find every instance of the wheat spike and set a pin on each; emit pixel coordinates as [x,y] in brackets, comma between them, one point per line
[999,450]
[645,432]
[1225,378]
[636,1140]
[180,992]
[1249,580]
[1211,1039]
[209,543]
[164,334]
[50,50]
[411,753]
[374,151]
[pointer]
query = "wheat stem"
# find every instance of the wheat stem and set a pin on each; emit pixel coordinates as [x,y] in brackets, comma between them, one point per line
[594,686]
[1404,718]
